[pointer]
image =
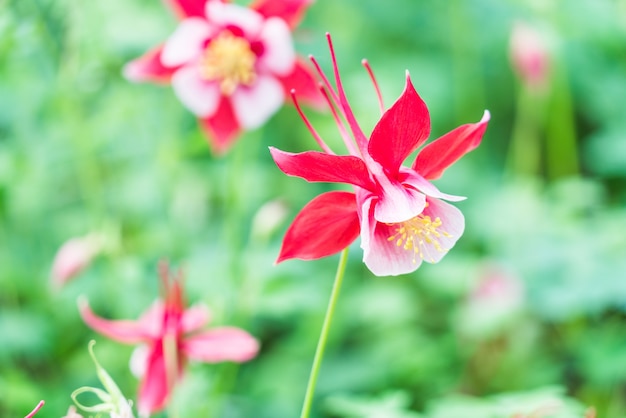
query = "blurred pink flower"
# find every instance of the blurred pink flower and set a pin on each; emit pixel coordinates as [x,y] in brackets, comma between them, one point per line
[171,334]
[494,301]
[400,215]
[34,411]
[529,54]
[72,258]
[230,65]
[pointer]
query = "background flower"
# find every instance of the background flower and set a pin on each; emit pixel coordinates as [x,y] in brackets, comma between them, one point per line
[230,65]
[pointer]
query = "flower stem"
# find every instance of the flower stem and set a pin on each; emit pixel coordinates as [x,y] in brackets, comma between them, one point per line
[321,343]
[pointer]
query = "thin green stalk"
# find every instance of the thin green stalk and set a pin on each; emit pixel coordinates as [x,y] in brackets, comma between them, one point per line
[321,343]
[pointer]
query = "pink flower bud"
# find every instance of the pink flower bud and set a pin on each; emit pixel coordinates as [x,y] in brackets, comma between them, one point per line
[73,256]
[529,54]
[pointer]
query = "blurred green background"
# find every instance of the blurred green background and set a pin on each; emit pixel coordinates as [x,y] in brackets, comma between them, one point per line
[527,310]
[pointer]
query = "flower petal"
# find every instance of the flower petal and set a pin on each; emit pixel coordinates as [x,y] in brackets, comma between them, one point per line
[326,225]
[148,67]
[397,203]
[316,166]
[199,96]
[278,55]
[440,154]
[220,14]
[452,222]
[291,11]
[221,344]
[187,8]
[222,128]
[195,318]
[411,178]
[256,104]
[186,43]
[402,128]
[124,331]
[154,389]
[386,256]
[383,258]
[302,80]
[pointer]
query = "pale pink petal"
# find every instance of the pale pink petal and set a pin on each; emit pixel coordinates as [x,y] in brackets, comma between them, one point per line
[452,223]
[221,344]
[224,15]
[420,183]
[397,203]
[125,331]
[279,56]
[72,257]
[255,104]
[195,318]
[379,255]
[139,360]
[186,43]
[199,96]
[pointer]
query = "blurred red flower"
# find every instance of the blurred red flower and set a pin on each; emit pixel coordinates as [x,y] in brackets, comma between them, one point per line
[398,213]
[232,66]
[171,334]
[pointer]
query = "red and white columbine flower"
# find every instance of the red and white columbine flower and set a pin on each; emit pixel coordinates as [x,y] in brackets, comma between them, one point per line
[170,334]
[232,66]
[399,214]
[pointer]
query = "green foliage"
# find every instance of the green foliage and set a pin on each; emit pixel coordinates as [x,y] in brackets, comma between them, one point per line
[83,151]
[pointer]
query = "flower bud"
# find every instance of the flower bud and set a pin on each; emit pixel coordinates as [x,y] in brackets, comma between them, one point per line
[72,258]
[529,55]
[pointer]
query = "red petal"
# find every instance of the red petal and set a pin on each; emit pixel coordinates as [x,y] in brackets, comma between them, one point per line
[154,388]
[316,166]
[124,331]
[326,225]
[402,128]
[304,83]
[221,344]
[440,154]
[148,67]
[290,11]
[222,128]
[187,8]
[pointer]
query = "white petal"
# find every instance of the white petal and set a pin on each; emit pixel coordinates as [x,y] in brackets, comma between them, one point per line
[426,187]
[255,104]
[139,361]
[198,95]
[186,42]
[279,56]
[452,222]
[222,14]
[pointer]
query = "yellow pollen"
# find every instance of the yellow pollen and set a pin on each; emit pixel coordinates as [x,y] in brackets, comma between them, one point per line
[229,60]
[418,233]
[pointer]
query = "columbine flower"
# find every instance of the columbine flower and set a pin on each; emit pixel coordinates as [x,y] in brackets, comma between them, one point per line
[398,213]
[170,335]
[529,55]
[230,65]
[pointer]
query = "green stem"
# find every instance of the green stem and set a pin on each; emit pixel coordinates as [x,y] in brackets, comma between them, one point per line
[321,343]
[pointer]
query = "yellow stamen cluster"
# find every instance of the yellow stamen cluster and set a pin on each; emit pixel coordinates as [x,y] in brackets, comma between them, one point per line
[416,233]
[229,60]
